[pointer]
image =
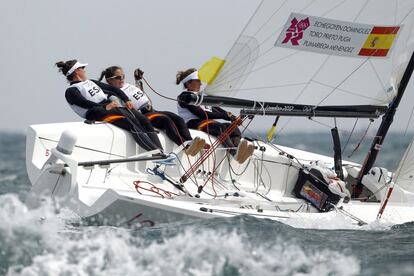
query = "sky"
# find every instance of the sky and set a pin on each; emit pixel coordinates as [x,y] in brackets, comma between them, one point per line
[159,36]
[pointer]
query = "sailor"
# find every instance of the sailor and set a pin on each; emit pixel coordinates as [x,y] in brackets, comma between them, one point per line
[204,117]
[90,100]
[173,125]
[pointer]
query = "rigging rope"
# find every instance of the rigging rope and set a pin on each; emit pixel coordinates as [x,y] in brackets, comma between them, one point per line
[210,151]
[154,189]
[361,140]
[350,135]
[272,35]
[212,148]
[159,94]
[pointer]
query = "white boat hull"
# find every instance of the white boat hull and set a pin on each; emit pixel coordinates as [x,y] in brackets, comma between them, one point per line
[127,194]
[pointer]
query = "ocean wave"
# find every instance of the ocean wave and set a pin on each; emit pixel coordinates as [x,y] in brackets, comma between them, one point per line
[337,221]
[46,242]
[109,251]
[8,177]
[42,242]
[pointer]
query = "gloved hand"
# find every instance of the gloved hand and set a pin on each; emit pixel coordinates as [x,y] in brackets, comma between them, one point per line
[138,74]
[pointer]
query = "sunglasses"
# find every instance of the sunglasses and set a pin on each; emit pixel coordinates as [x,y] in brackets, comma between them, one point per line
[120,77]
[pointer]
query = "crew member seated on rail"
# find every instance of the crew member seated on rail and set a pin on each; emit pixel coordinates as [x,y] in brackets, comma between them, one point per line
[204,117]
[173,125]
[90,100]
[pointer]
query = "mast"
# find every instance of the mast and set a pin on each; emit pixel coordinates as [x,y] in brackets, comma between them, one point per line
[387,120]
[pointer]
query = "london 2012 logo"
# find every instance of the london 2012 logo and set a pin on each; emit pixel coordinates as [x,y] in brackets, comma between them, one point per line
[295,32]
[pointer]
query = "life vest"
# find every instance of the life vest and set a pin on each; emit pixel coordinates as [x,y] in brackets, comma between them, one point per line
[91,92]
[187,115]
[136,95]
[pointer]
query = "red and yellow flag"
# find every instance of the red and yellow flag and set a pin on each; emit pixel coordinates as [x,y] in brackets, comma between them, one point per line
[379,41]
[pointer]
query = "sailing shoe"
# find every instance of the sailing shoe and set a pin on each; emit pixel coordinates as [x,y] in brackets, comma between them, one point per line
[241,150]
[248,152]
[196,146]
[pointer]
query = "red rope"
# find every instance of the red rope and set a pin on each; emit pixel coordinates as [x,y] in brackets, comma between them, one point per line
[223,136]
[159,94]
[360,141]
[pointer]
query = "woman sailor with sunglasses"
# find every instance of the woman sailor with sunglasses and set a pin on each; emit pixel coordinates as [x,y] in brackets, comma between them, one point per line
[90,100]
[204,117]
[173,125]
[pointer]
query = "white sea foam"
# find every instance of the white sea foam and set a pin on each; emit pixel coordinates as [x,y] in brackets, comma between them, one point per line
[111,251]
[337,221]
[190,253]
[37,246]
[23,231]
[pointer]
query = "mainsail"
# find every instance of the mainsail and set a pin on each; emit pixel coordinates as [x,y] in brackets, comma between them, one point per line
[404,176]
[259,67]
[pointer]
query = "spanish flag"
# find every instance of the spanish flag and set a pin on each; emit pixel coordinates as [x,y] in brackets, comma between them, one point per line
[379,41]
[210,70]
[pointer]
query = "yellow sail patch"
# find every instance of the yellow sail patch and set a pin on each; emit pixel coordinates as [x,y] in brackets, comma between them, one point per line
[210,70]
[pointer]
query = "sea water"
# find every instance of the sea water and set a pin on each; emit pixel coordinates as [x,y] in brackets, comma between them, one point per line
[45,241]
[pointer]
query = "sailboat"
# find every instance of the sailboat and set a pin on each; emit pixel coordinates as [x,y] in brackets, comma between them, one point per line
[339,60]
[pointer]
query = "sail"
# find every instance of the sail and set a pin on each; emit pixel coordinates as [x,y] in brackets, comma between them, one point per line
[404,176]
[355,53]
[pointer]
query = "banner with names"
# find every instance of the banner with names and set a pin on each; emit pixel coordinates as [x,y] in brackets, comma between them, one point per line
[334,37]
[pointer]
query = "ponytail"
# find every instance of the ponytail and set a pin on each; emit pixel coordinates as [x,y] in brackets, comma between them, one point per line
[102,75]
[64,67]
[183,74]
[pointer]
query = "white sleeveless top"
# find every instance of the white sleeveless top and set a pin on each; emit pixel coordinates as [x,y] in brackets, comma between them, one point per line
[91,92]
[187,115]
[136,95]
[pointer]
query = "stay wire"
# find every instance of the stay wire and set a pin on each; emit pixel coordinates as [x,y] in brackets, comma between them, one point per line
[360,141]
[350,135]
[226,75]
[264,41]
